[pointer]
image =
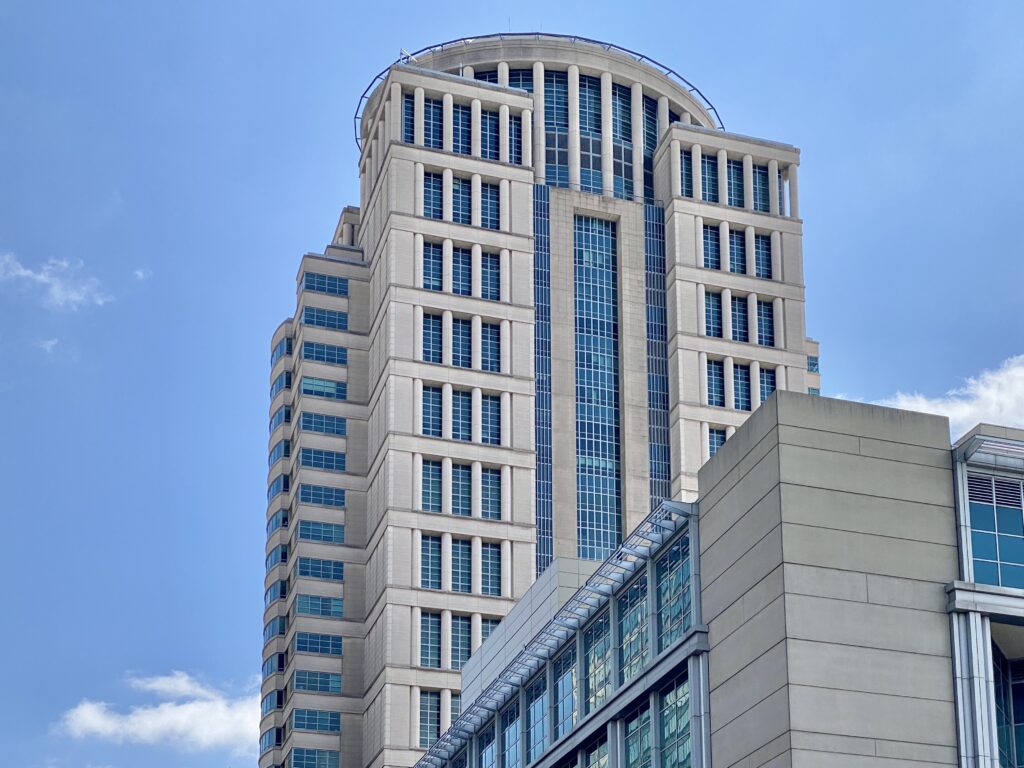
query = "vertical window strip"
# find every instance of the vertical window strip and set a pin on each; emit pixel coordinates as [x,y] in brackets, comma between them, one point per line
[659,443]
[542,373]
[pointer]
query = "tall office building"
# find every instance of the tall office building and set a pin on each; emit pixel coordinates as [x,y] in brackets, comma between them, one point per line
[563,289]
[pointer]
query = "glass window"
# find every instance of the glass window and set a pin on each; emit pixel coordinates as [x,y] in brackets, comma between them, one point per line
[813,391]
[433,195]
[431,489]
[317,605]
[709,177]
[282,348]
[490,493]
[556,127]
[767,383]
[462,129]
[325,318]
[324,353]
[329,533]
[740,327]
[318,458]
[276,556]
[634,649]
[462,342]
[433,266]
[313,758]
[274,664]
[278,485]
[712,247]
[765,323]
[638,739]
[812,364]
[490,571]
[282,415]
[761,197]
[672,575]
[997,530]
[275,627]
[273,700]
[462,201]
[330,284]
[281,383]
[487,626]
[271,738]
[596,756]
[432,411]
[432,336]
[622,142]
[430,718]
[716,383]
[461,633]
[317,568]
[462,271]
[510,730]
[490,276]
[323,423]
[316,682]
[490,419]
[597,662]
[489,148]
[735,168]
[462,489]
[741,386]
[763,256]
[538,736]
[334,390]
[675,725]
[566,707]
[686,171]
[737,251]
[456,711]
[490,76]
[462,565]
[430,640]
[278,520]
[462,414]
[590,134]
[408,118]
[312,642]
[515,140]
[433,123]
[487,748]
[521,78]
[713,314]
[490,206]
[490,347]
[323,495]
[281,450]
[430,562]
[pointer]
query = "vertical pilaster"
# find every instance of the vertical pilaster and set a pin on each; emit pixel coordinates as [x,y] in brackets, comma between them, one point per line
[476,495]
[538,121]
[476,205]
[503,140]
[417,192]
[752,317]
[730,383]
[476,550]
[527,124]
[723,177]
[697,165]
[448,108]
[446,194]
[794,192]
[573,77]
[748,242]
[755,385]
[748,182]
[637,116]
[476,258]
[701,310]
[726,313]
[446,562]
[702,376]
[446,485]
[475,128]
[477,409]
[723,245]
[477,331]
[418,99]
[607,176]
[675,168]
[773,187]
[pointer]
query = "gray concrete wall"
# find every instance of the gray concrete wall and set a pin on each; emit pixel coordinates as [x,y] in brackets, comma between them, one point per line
[827,536]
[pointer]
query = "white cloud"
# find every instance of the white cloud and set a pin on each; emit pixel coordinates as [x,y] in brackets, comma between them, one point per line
[192,717]
[64,286]
[48,345]
[142,274]
[996,397]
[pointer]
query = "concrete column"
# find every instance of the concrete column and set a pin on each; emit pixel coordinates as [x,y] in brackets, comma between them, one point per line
[414,711]
[503,73]
[475,206]
[446,562]
[415,561]
[780,377]
[446,337]
[417,260]
[476,257]
[505,264]
[606,134]
[346,234]
[778,308]
[698,231]
[506,568]
[446,485]
[752,317]
[686,118]
[474,131]
[696,169]
[503,140]
[417,192]
[776,256]
[755,385]
[748,242]
[446,644]
[723,245]
[417,406]
[794,192]
[417,489]
[702,375]
[527,122]
[506,419]
[417,332]
[773,187]
[476,430]
[415,635]
[662,116]
[446,693]
[637,114]
[730,392]
[748,182]
[446,194]
[476,550]
[506,493]
[475,632]
[446,265]
[675,168]
[729,432]
[506,347]
[574,126]
[705,440]
[726,313]
[538,121]
[723,177]
[397,112]
[446,130]
[476,342]
[504,206]
[702,327]
[417,120]
[446,411]
[476,493]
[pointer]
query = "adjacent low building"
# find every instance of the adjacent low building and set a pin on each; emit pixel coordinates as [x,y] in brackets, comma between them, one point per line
[847,590]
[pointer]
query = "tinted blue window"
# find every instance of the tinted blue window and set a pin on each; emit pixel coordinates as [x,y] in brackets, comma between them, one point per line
[462,342]
[282,415]
[316,568]
[462,565]
[735,168]
[462,130]
[622,142]
[281,383]
[490,206]
[490,571]
[318,458]
[282,348]
[313,758]
[659,443]
[740,330]
[323,423]
[462,489]
[556,127]
[433,195]
[712,247]
[741,387]
[490,276]
[763,256]
[278,520]
[278,485]
[709,178]
[431,486]
[462,271]
[716,439]
[323,495]
[716,383]
[650,144]
[312,642]
[324,353]
[490,419]
[590,134]
[490,346]
[737,251]
[462,415]
[329,533]
[765,323]
[432,411]
[489,149]
[761,196]
[515,140]
[430,562]
[462,201]
[686,173]
[432,336]
[433,123]
[433,266]
[490,76]
[330,284]
[334,390]
[713,314]
[316,682]
[490,493]
[767,383]
[542,373]
[408,118]
[281,450]
[521,78]
[317,605]
[325,318]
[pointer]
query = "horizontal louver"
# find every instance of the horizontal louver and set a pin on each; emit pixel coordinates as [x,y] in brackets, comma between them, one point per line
[979,488]
[1007,493]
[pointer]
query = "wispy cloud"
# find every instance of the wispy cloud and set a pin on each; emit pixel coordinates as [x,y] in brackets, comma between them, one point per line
[190,717]
[48,345]
[142,274]
[996,397]
[63,285]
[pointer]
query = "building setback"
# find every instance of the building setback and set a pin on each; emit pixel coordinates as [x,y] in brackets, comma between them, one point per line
[848,590]
[565,286]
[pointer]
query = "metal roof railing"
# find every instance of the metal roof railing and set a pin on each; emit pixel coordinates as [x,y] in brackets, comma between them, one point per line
[406,57]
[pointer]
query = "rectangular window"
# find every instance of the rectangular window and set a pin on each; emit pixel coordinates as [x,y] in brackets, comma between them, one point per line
[511,727]
[462,489]
[311,642]
[521,78]
[997,528]
[313,758]
[282,348]
[556,127]
[596,755]
[765,323]
[490,347]
[716,383]
[462,342]
[278,520]
[812,364]
[490,493]
[432,336]
[462,565]
[490,419]
[740,325]
[318,458]
[741,387]
[430,718]
[515,140]
[767,383]
[275,627]
[672,575]
[329,533]
[538,735]
[462,415]
[634,649]
[317,605]
[459,762]
[281,450]
[282,415]
[278,485]
[491,76]
[431,486]
[433,195]
[317,568]
[325,318]
[813,391]
[713,314]
[712,247]
[432,411]
[462,201]
[277,555]
[737,251]
[490,569]
[461,634]
[433,123]
[686,171]
[329,284]
[316,682]
[735,168]
[487,748]
[489,149]
[333,390]
[597,662]
[638,739]
[761,196]
[675,725]
[433,266]
[462,271]
[709,178]
[322,495]
[408,118]
[324,353]
[763,256]
[487,626]
[650,144]
[462,129]
[430,562]
[490,276]
[622,141]
[566,706]
[716,439]
[323,423]
[281,383]
[430,640]
[490,206]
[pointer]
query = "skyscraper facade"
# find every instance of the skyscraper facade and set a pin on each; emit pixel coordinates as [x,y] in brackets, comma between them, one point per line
[563,289]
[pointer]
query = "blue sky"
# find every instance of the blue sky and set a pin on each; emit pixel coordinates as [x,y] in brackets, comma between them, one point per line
[164,165]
